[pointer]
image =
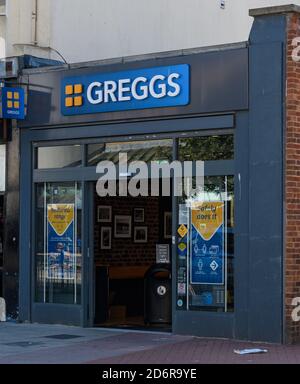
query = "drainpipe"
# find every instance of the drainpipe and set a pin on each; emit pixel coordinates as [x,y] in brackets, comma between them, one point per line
[34,22]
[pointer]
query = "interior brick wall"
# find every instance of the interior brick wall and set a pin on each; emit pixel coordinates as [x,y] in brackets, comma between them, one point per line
[125,252]
[292,181]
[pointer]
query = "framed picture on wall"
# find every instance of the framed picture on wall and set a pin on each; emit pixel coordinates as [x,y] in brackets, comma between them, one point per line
[138,215]
[122,226]
[105,238]
[104,214]
[140,234]
[168,225]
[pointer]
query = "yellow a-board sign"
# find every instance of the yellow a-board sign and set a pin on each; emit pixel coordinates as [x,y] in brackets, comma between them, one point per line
[60,217]
[207,217]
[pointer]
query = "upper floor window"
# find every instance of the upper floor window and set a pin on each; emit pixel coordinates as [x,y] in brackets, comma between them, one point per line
[2,7]
[2,167]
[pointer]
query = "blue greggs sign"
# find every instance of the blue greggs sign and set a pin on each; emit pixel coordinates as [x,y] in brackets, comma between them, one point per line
[120,91]
[13,103]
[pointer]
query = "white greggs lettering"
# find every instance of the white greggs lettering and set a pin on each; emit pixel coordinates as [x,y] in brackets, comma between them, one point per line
[139,89]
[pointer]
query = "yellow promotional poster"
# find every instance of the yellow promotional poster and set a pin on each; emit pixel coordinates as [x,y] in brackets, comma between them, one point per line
[207,218]
[60,216]
[207,245]
[61,242]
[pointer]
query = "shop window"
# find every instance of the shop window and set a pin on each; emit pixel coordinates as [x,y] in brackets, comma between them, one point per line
[2,167]
[205,255]
[59,157]
[206,148]
[151,150]
[58,254]
[2,7]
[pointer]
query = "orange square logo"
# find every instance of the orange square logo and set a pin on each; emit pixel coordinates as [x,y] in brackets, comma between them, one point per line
[78,88]
[16,104]
[9,104]
[69,102]
[77,101]
[69,90]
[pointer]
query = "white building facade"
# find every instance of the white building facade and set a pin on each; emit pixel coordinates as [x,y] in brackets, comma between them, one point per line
[101,29]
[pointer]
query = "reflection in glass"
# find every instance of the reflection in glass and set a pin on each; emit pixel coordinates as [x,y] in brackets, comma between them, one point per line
[2,7]
[151,150]
[206,148]
[59,157]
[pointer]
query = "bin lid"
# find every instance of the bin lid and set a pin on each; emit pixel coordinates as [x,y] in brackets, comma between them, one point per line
[156,268]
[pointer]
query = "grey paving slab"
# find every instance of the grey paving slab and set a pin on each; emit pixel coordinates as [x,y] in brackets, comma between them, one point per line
[30,343]
[12,336]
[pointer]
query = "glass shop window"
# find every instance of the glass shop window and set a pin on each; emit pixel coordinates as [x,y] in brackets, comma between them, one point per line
[2,167]
[205,236]
[150,150]
[2,7]
[206,148]
[205,256]
[59,157]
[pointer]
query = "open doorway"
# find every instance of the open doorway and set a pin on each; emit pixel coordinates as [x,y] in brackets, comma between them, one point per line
[132,262]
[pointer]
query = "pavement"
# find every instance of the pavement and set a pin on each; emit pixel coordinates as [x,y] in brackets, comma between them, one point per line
[57,344]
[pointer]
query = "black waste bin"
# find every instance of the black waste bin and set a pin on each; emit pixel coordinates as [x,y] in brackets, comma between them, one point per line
[158,296]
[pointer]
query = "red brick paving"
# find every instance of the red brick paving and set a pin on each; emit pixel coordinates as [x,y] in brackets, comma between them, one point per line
[207,351]
[96,346]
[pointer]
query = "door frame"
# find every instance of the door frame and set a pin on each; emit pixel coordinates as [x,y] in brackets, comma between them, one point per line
[91,259]
[90,256]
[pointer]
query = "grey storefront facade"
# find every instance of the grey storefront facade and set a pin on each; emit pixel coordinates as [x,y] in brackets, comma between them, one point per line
[234,93]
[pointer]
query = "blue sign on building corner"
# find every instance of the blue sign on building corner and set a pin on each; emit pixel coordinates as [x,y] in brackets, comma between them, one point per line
[13,103]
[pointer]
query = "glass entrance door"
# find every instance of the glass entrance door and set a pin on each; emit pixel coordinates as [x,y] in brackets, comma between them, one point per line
[58,255]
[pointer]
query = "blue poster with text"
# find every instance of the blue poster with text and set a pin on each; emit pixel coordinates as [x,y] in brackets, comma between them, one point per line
[207,243]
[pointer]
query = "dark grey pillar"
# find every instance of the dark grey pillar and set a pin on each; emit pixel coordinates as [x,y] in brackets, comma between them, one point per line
[11,227]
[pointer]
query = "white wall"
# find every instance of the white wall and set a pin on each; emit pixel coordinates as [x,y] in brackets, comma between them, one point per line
[83,30]
[115,28]
[20,27]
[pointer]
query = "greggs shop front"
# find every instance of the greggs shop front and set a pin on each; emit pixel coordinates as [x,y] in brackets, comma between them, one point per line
[210,264]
